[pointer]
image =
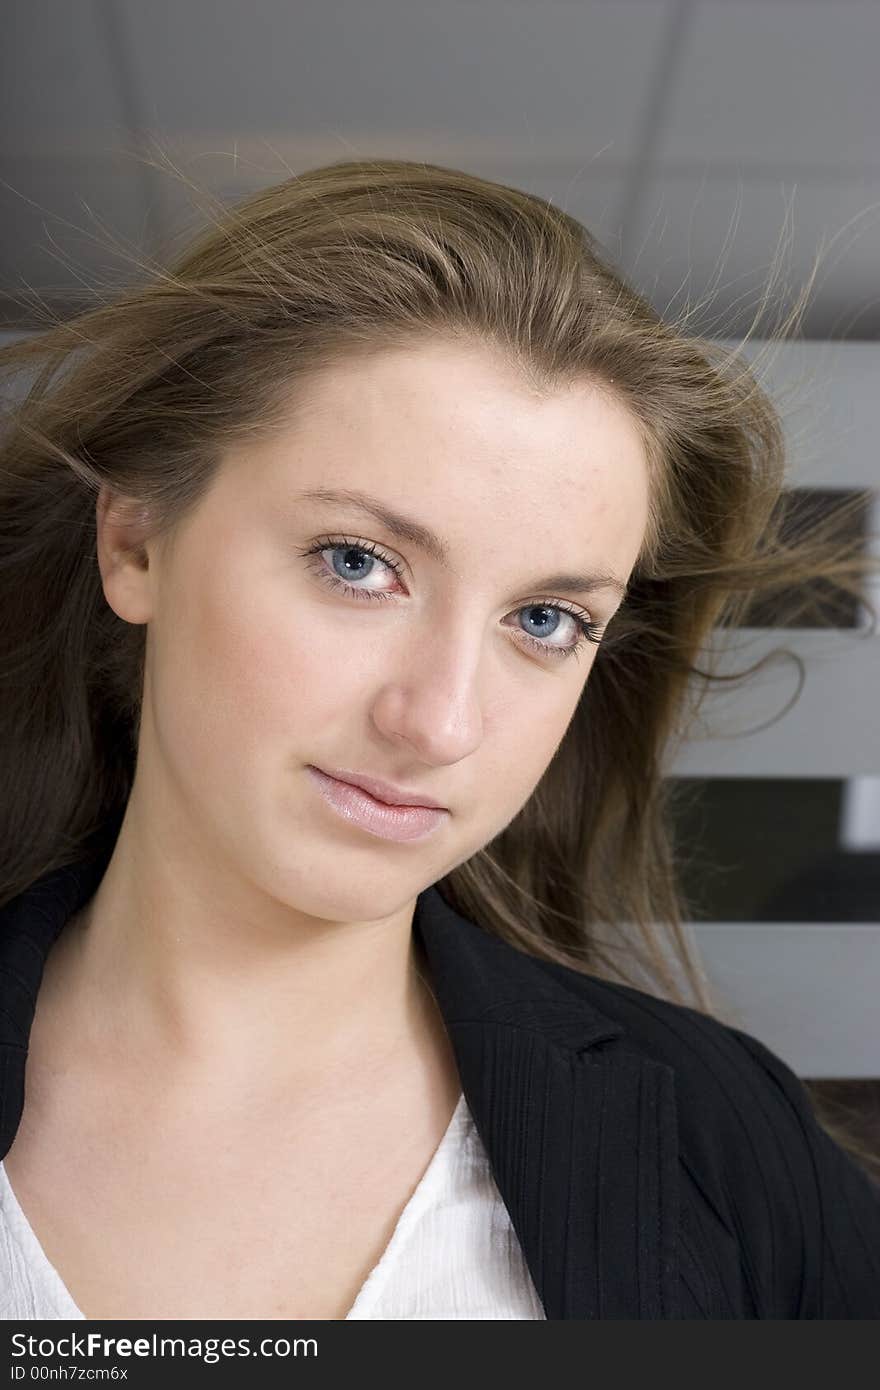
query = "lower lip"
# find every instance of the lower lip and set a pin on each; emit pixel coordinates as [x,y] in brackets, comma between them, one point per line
[377,817]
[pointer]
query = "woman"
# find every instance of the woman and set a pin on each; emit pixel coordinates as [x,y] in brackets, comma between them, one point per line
[390,481]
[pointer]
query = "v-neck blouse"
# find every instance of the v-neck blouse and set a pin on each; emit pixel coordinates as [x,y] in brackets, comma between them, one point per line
[453,1253]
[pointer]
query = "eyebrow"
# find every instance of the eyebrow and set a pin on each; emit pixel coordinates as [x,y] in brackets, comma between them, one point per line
[406,528]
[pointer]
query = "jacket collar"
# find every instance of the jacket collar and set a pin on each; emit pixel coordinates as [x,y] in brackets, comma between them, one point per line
[580,1133]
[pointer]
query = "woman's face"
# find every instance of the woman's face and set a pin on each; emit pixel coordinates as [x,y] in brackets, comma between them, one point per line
[448,676]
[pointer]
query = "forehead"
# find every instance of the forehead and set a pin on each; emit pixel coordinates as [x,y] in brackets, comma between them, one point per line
[455,434]
[433,398]
[466,392]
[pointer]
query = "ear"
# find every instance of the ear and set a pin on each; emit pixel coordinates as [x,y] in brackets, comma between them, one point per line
[121,525]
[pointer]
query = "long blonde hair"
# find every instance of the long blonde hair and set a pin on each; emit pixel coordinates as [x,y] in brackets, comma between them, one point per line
[144,392]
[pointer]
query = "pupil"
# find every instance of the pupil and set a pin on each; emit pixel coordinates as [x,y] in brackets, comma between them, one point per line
[547,618]
[354,550]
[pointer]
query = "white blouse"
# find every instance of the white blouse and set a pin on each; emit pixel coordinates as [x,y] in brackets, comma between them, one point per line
[452,1254]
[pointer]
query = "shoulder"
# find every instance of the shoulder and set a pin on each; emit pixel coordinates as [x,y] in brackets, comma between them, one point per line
[714,1063]
[755,1159]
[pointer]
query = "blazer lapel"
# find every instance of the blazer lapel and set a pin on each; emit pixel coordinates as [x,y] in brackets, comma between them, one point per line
[581,1139]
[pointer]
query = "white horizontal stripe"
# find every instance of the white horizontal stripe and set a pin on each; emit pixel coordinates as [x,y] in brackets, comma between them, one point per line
[808,991]
[832,729]
[826,393]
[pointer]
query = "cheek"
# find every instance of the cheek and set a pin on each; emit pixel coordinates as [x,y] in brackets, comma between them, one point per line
[251,673]
[527,735]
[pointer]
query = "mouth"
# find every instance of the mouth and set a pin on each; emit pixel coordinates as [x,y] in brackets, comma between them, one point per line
[381,818]
[385,792]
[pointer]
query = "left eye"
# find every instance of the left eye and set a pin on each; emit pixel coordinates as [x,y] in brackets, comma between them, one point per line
[543,622]
[351,550]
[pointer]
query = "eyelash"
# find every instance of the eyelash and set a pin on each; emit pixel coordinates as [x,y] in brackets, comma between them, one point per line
[591,632]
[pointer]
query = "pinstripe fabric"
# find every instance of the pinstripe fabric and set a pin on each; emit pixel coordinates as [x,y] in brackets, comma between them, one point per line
[655,1163]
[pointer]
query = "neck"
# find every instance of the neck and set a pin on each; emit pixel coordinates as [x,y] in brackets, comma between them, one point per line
[197,987]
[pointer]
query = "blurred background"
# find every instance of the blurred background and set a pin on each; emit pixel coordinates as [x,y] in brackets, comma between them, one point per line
[700,141]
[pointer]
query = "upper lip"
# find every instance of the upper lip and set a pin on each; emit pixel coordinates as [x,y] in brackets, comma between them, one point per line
[383,791]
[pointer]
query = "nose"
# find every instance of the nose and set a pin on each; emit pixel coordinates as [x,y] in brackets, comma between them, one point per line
[433,705]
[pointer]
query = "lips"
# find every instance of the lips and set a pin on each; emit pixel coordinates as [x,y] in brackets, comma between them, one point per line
[386,792]
[360,809]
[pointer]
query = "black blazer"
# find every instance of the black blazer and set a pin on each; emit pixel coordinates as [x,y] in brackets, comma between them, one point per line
[655,1162]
